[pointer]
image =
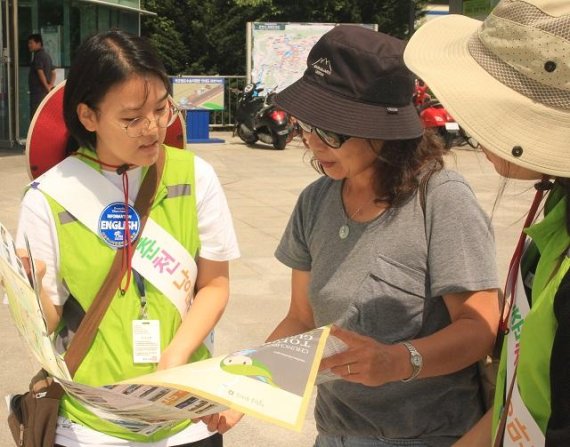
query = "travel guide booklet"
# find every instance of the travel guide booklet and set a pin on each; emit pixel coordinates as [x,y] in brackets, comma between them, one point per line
[272,382]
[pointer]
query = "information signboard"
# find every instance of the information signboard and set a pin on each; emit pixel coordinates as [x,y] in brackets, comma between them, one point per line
[202,93]
[279,51]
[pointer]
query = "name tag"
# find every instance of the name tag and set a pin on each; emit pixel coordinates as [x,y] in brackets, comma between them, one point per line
[146,341]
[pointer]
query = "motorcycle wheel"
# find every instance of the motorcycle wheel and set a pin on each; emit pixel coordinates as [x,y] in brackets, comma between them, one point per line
[247,136]
[279,142]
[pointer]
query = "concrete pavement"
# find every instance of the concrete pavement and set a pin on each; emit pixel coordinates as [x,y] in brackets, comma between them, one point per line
[262,186]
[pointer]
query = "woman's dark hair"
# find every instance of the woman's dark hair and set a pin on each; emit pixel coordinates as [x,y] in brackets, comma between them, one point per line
[101,62]
[401,164]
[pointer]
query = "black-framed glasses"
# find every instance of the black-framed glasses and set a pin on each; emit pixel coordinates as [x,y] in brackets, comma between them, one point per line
[331,139]
[163,118]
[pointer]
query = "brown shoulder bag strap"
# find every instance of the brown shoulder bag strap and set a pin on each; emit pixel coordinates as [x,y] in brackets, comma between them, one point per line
[87,329]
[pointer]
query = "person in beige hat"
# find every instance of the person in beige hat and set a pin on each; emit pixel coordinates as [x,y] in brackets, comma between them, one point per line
[506,80]
[402,281]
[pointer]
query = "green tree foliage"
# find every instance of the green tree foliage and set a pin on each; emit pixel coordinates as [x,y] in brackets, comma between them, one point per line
[209,36]
[165,35]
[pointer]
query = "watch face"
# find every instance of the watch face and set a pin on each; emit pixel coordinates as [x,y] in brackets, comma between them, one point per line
[416,360]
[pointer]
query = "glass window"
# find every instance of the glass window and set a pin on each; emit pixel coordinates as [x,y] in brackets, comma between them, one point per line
[64,24]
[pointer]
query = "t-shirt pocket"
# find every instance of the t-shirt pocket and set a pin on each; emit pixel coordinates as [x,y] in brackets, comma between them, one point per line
[389,305]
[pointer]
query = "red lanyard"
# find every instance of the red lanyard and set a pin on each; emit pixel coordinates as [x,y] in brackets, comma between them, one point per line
[514,265]
[126,256]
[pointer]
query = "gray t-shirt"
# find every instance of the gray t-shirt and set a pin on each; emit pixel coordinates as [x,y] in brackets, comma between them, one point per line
[386,281]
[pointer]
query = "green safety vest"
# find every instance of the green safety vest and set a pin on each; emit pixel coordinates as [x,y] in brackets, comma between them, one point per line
[84,263]
[537,335]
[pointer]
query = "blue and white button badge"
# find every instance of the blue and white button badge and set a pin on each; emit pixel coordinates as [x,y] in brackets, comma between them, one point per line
[112,224]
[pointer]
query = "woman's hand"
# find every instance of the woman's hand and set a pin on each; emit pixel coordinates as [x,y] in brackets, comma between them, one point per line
[222,422]
[367,361]
[170,358]
[39,267]
[52,313]
[212,286]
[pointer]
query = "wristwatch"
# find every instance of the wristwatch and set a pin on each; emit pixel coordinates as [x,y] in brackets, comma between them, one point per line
[416,360]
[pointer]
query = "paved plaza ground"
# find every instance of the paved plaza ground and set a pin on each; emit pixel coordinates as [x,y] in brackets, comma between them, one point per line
[262,186]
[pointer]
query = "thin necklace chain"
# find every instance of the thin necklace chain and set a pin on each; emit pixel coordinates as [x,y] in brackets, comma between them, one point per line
[344,229]
[360,208]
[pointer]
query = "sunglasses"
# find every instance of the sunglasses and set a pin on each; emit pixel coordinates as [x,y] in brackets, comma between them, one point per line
[331,139]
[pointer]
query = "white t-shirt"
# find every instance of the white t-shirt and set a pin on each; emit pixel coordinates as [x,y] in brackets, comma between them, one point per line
[218,243]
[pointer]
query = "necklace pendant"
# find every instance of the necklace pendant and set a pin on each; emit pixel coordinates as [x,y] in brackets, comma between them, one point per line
[343,231]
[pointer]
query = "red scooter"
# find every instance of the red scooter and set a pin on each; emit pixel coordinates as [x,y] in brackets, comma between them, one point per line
[434,115]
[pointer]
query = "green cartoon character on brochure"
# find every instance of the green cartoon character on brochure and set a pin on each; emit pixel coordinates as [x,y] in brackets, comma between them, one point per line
[240,363]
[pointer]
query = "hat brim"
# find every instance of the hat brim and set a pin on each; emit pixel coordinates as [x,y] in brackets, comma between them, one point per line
[318,107]
[498,117]
[48,135]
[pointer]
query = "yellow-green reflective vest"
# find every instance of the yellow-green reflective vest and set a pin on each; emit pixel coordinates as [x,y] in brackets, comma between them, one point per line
[84,262]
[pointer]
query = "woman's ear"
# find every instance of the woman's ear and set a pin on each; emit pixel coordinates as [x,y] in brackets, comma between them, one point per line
[87,116]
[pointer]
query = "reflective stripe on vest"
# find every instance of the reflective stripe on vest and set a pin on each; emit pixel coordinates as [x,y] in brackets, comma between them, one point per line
[73,184]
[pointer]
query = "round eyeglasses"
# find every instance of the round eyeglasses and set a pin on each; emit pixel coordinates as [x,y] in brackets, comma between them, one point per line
[163,118]
[331,139]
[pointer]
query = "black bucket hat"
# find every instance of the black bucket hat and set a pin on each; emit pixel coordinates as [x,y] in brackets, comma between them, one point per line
[356,84]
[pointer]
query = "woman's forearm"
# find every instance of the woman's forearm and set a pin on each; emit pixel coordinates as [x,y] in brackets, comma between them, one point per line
[206,310]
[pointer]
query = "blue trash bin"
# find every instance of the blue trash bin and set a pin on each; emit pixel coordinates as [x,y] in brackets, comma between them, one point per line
[198,127]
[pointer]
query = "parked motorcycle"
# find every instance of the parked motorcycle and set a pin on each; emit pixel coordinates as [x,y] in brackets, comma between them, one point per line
[258,119]
[434,115]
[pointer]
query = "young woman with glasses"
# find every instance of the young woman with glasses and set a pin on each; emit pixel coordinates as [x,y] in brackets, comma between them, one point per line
[390,247]
[116,106]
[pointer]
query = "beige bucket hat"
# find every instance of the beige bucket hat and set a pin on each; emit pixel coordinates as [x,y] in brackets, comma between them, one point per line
[506,80]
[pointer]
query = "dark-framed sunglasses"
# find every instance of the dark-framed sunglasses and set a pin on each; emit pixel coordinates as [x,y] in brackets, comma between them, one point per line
[331,139]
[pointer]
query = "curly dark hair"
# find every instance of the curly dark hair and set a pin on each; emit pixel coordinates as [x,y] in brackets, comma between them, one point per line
[401,164]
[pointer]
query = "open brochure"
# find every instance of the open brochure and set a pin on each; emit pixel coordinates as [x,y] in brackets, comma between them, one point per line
[272,382]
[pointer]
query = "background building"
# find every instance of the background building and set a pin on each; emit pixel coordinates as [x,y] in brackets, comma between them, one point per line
[63,24]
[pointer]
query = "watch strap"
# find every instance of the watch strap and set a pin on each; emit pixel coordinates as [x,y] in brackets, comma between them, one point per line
[416,361]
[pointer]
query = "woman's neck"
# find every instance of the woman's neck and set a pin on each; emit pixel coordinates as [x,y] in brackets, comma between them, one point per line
[360,200]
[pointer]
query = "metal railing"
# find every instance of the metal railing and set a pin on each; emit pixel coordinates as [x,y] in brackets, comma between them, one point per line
[221,119]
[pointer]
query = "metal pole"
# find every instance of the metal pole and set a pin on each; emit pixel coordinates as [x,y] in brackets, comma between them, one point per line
[16,65]
[248,42]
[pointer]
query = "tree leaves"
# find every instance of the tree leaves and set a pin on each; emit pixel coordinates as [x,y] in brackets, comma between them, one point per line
[207,37]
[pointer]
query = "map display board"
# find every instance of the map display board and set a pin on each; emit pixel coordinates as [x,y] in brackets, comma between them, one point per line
[203,93]
[279,51]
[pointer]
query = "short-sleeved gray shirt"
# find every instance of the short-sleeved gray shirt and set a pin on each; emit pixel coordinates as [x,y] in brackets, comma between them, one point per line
[42,61]
[386,280]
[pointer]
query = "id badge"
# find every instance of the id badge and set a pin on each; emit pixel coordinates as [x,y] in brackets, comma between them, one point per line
[146,341]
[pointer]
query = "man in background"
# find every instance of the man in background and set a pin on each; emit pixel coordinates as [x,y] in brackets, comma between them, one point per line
[41,78]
